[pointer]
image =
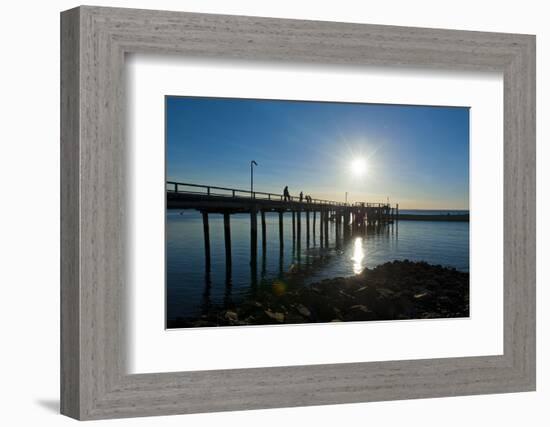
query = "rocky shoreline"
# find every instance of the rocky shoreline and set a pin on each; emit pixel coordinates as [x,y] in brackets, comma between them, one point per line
[391,291]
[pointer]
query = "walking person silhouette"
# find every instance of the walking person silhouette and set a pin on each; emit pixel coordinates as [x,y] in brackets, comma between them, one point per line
[286,194]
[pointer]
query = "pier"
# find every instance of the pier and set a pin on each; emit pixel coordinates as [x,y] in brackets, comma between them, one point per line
[211,200]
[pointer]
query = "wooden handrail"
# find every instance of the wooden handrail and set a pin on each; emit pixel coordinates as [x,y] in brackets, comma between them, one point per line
[254,195]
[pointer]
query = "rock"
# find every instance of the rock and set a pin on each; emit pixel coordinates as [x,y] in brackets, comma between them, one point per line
[359,312]
[303,310]
[360,307]
[430,283]
[345,294]
[279,317]
[295,318]
[385,293]
[421,295]
[231,316]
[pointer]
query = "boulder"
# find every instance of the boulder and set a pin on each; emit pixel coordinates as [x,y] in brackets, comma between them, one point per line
[231,316]
[278,317]
[303,310]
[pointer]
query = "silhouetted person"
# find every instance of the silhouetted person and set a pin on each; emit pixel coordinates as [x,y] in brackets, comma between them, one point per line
[301,196]
[286,194]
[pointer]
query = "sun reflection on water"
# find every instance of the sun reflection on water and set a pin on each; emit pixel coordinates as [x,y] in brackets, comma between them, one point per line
[358,255]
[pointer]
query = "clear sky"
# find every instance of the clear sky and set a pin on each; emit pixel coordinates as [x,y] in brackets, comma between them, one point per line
[417,156]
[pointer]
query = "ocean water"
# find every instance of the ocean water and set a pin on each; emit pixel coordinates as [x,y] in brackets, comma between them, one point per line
[190,289]
[433,212]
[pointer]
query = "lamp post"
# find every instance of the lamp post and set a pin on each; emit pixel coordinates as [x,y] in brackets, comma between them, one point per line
[252,164]
[346,197]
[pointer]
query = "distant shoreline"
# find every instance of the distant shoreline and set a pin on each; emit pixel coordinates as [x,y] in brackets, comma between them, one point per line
[437,217]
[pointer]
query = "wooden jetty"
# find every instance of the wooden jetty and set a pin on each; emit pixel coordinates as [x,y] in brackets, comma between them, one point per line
[348,218]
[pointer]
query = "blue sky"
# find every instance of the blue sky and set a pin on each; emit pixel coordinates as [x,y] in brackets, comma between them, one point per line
[418,156]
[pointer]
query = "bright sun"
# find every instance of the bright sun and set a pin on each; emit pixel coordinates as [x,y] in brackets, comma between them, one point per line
[358,166]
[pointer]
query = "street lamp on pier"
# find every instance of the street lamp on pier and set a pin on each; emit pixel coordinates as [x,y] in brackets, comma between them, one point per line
[252,164]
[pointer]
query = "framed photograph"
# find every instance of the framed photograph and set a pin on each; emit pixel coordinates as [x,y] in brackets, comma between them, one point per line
[262,213]
[346,257]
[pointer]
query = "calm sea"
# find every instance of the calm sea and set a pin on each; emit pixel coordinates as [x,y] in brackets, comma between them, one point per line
[190,290]
[433,212]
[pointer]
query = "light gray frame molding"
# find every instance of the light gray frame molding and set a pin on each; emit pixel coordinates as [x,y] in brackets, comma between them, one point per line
[94,41]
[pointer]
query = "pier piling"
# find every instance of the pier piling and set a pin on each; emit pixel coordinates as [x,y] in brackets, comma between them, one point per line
[321,228]
[314,220]
[206,229]
[263,232]
[253,236]
[307,228]
[227,238]
[326,227]
[281,236]
[299,229]
[293,226]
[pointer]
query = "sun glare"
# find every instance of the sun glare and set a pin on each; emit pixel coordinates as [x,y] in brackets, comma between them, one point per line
[359,166]
[358,255]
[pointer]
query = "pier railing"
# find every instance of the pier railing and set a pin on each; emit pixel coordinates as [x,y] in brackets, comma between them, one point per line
[370,205]
[236,193]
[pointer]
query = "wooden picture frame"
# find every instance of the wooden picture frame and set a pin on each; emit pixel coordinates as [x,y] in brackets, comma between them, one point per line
[94,382]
